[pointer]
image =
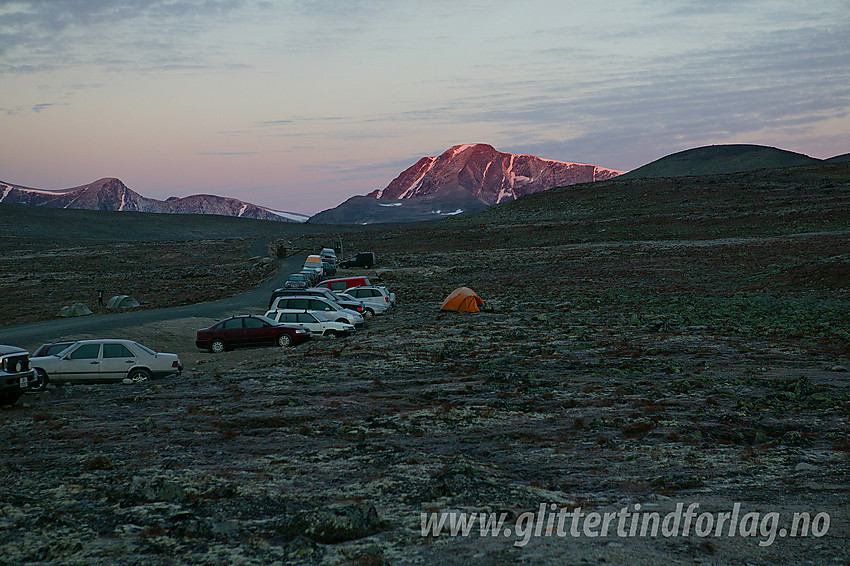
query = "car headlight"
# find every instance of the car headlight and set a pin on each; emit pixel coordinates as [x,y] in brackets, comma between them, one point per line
[300,331]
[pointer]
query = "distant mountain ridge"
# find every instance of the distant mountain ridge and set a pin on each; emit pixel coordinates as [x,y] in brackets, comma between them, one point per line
[111,194]
[463,178]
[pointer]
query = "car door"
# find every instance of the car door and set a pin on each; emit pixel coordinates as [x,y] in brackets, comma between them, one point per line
[116,360]
[301,304]
[321,306]
[307,320]
[81,364]
[287,318]
[257,332]
[232,332]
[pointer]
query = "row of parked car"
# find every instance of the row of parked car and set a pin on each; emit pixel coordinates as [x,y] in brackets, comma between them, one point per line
[325,264]
[295,313]
[328,307]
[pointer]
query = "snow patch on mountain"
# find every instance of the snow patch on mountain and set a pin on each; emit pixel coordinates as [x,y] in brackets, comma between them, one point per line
[290,216]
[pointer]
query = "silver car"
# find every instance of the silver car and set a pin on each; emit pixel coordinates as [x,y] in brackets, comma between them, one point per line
[372,307]
[105,360]
[373,294]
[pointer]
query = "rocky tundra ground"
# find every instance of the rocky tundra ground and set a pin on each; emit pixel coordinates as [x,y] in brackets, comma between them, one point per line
[612,374]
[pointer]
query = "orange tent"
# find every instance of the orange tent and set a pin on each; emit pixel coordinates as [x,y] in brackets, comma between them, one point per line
[462,299]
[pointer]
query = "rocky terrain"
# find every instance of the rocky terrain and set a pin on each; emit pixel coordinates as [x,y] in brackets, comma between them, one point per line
[157,274]
[651,343]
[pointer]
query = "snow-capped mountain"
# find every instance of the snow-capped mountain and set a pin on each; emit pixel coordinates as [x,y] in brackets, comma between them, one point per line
[112,194]
[462,179]
[492,176]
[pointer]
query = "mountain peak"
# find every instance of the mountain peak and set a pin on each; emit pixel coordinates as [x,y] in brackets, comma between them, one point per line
[490,175]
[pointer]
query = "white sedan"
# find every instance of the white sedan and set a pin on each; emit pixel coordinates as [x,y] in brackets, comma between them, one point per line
[105,360]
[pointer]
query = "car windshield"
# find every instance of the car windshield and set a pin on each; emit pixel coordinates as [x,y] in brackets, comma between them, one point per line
[320,317]
[345,296]
[297,277]
[268,320]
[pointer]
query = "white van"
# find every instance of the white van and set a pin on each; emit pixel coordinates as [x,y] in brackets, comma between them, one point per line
[314,263]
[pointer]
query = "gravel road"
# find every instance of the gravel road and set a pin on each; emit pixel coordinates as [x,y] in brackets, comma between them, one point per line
[32,335]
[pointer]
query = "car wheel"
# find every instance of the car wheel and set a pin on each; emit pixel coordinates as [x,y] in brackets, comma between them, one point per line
[284,340]
[139,374]
[41,380]
[217,346]
[370,312]
[330,334]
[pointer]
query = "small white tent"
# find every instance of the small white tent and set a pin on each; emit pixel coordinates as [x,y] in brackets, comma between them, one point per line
[77,309]
[122,302]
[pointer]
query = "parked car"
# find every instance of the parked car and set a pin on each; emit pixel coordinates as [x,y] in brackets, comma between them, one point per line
[16,373]
[313,276]
[249,330]
[330,309]
[316,272]
[329,255]
[105,360]
[344,283]
[350,303]
[373,293]
[316,322]
[363,259]
[371,308]
[314,262]
[297,281]
[328,268]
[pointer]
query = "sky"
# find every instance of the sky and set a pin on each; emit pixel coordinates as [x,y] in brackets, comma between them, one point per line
[298,105]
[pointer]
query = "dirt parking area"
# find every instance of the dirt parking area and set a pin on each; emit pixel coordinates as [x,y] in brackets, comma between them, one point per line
[622,380]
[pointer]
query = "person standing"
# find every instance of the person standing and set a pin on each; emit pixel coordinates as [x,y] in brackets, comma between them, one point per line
[100,297]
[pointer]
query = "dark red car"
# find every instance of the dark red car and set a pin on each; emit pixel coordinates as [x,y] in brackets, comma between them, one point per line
[249,330]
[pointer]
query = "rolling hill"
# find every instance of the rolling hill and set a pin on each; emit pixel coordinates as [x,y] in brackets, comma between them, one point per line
[720,159]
